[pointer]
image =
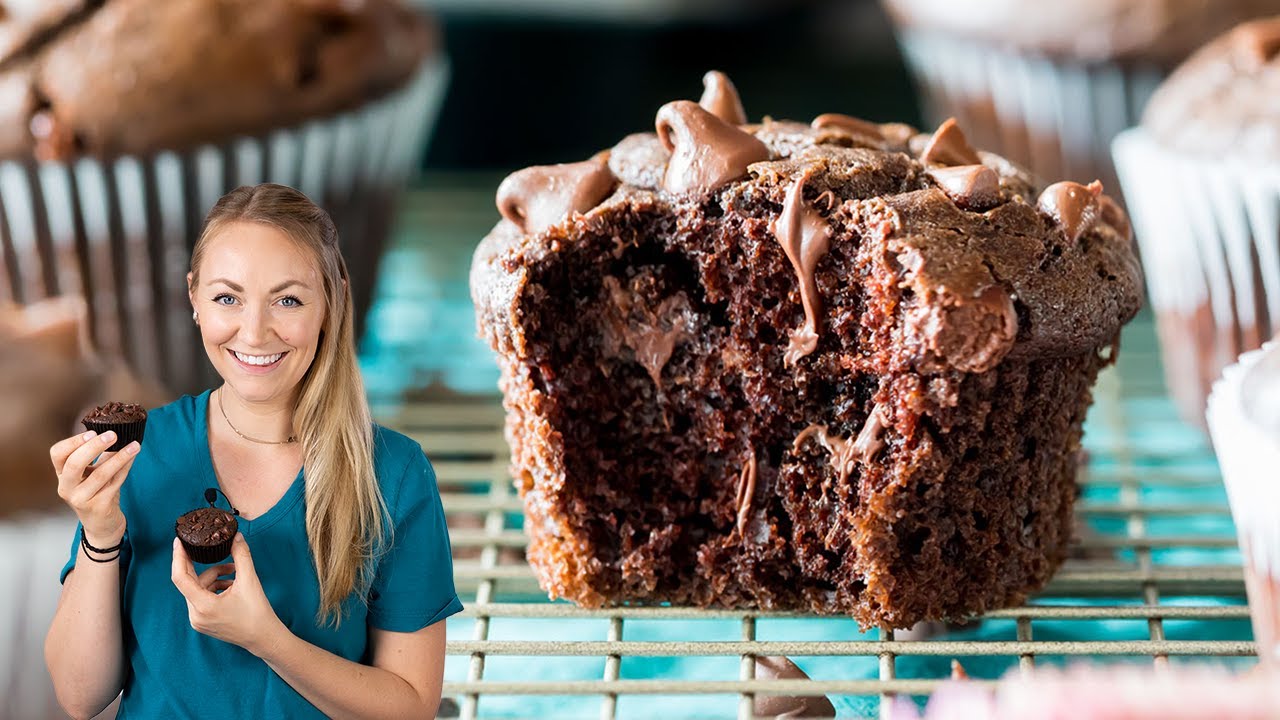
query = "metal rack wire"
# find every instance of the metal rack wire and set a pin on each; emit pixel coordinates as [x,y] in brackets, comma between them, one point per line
[1146,474]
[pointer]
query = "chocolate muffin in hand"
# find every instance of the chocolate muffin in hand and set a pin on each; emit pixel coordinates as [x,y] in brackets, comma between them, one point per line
[839,367]
[207,533]
[127,420]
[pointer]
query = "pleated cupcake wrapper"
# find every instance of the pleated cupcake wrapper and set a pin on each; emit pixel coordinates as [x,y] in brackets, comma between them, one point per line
[120,232]
[1249,457]
[210,554]
[1055,117]
[1209,232]
[125,432]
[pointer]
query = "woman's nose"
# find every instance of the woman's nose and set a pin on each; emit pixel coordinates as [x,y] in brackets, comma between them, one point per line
[256,327]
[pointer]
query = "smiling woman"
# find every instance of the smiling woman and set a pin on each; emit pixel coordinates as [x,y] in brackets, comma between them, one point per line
[337,609]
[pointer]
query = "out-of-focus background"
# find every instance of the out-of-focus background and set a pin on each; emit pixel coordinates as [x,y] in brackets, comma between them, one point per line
[92,304]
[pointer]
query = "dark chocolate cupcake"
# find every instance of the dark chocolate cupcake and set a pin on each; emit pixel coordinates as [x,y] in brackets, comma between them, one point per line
[127,420]
[207,533]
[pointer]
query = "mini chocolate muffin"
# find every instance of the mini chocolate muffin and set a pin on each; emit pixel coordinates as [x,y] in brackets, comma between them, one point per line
[839,366]
[207,533]
[127,420]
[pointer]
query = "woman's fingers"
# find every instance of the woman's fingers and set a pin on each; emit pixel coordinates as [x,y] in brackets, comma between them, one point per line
[62,449]
[104,473]
[210,576]
[73,469]
[220,585]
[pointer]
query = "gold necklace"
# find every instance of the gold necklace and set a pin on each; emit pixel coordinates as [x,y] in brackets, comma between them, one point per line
[292,438]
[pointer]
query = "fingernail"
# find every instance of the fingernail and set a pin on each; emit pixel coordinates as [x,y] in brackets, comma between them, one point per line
[88,436]
[132,448]
[108,436]
[175,543]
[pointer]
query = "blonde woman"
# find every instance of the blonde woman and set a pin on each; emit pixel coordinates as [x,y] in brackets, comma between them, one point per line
[340,575]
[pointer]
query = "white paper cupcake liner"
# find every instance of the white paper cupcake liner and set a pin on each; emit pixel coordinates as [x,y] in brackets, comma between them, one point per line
[1055,117]
[120,232]
[1244,420]
[1208,233]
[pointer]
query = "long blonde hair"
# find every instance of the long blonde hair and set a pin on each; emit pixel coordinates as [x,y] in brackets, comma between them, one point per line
[346,513]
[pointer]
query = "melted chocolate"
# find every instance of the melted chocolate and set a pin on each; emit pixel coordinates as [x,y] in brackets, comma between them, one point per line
[805,238]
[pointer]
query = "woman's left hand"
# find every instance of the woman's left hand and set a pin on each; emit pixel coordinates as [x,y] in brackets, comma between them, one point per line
[236,611]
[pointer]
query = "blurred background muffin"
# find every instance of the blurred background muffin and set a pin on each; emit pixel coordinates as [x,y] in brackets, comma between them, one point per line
[1050,84]
[121,123]
[1202,178]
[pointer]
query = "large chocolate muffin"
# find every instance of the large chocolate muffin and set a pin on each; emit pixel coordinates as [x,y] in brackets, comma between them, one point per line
[839,367]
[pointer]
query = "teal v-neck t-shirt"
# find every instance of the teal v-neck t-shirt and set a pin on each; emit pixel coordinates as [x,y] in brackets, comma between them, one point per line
[172,671]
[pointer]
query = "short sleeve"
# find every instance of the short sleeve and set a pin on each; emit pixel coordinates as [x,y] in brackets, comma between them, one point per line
[413,584]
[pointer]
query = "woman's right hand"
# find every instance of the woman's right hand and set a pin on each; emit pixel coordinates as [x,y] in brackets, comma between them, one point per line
[94,496]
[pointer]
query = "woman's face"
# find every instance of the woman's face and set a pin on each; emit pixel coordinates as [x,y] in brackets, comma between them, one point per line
[261,306]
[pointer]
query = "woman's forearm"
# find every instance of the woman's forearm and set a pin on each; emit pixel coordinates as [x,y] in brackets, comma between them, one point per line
[83,647]
[341,688]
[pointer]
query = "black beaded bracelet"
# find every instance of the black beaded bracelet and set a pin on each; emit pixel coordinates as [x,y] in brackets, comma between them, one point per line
[84,542]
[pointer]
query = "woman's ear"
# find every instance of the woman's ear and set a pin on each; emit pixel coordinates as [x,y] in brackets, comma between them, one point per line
[191,291]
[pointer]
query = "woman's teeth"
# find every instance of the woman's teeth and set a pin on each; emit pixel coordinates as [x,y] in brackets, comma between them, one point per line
[257,359]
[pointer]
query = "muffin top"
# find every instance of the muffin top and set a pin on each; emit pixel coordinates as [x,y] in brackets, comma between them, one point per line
[116,413]
[996,265]
[1225,99]
[136,76]
[1156,31]
[207,526]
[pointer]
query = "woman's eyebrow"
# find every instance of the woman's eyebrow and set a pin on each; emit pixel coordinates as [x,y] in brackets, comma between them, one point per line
[276,289]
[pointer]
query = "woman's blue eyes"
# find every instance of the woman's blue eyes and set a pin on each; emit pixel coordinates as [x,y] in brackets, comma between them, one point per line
[288,301]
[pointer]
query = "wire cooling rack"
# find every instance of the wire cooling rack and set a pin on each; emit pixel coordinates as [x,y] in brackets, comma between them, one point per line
[1154,578]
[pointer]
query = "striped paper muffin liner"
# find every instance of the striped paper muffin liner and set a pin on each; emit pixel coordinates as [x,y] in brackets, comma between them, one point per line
[1243,414]
[1209,233]
[120,232]
[1054,116]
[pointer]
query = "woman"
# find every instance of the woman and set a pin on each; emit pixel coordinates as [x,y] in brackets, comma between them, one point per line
[342,570]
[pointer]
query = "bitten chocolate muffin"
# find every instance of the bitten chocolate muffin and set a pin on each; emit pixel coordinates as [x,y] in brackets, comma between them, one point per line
[839,367]
[127,420]
[207,533]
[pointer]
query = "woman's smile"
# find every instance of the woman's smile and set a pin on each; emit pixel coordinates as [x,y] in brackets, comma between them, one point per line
[257,364]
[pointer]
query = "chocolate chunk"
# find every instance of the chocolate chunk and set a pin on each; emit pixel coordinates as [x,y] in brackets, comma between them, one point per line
[706,152]
[776,667]
[972,187]
[720,98]
[970,334]
[948,146]
[538,197]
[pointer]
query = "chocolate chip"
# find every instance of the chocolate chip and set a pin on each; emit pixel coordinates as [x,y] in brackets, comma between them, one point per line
[972,187]
[720,98]
[948,146]
[847,123]
[1074,207]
